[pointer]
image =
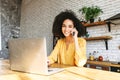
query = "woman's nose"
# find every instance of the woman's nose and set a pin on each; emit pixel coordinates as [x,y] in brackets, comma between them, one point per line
[66,28]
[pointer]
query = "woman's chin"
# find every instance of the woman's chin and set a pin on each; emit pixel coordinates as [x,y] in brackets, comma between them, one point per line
[67,35]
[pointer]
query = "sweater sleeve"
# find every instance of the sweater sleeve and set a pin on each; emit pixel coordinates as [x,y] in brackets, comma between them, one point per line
[54,54]
[80,54]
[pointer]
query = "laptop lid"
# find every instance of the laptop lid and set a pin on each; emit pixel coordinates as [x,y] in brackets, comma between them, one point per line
[28,55]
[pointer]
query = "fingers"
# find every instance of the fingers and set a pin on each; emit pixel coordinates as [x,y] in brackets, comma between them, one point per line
[74,31]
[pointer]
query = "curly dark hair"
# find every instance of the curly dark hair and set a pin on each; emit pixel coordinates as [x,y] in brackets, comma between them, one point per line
[58,21]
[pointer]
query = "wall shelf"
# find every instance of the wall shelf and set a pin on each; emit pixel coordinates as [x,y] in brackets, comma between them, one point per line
[94,24]
[105,38]
[99,23]
[98,38]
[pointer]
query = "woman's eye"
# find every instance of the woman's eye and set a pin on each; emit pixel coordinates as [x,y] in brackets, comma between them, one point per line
[63,25]
[70,26]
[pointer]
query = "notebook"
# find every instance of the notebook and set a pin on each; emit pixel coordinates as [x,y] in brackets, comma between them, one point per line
[30,55]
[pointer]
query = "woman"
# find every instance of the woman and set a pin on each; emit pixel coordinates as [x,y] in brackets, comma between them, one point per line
[70,48]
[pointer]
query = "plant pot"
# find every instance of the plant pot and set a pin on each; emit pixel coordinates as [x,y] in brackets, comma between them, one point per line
[91,20]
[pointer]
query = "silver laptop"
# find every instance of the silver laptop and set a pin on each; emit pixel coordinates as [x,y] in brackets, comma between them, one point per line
[30,55]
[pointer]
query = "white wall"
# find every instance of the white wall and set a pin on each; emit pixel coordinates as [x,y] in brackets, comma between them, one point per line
[0,26]
[38,15]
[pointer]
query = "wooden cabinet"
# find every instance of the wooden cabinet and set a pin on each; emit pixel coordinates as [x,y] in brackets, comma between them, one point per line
[115,69]
[99,65]
[107,68]
[103,65]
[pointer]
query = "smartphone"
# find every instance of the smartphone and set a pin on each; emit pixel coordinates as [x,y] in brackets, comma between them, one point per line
[73,33]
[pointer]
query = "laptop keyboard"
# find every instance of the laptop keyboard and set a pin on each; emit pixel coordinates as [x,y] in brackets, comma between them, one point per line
[50,70]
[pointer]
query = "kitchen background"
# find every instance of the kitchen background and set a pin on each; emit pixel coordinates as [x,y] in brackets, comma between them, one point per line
[37,17]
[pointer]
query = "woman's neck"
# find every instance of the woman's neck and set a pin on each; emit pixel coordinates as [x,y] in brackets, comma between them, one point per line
[69,39]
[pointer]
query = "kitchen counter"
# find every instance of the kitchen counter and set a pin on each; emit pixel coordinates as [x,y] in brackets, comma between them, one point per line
[103,63]
[69,73]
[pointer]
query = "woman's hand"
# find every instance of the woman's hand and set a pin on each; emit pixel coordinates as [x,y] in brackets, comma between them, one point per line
[74,32]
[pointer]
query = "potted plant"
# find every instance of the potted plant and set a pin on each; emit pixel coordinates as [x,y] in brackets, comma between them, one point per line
[90,13]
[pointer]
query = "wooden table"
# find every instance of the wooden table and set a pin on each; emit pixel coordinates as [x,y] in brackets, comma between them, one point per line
[70,73]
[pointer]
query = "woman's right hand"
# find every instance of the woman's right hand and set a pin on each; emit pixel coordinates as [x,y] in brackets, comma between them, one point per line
[74,30]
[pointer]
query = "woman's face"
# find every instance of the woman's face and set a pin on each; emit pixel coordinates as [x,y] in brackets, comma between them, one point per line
[67,27]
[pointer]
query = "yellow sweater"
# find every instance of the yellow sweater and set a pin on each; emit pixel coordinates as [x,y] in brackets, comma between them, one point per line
[69,56]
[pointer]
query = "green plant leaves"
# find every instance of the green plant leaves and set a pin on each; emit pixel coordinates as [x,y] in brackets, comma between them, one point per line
[90,12]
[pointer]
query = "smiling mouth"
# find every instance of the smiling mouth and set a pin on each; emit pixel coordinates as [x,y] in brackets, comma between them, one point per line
[66,32]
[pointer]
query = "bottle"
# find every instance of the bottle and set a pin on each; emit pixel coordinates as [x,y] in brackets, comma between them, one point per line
[94,54]
[91,57]
[97,55]
[99,19]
